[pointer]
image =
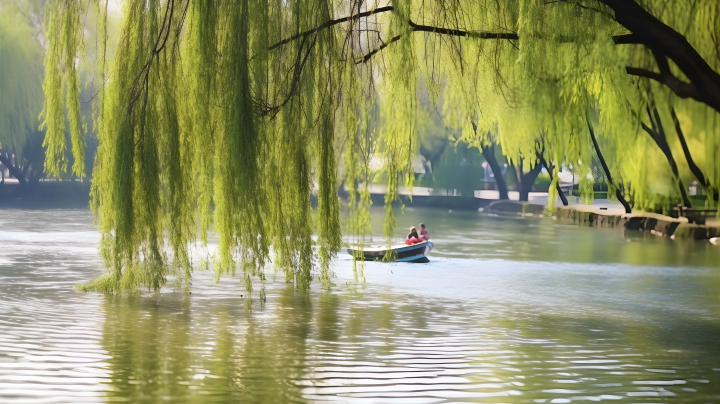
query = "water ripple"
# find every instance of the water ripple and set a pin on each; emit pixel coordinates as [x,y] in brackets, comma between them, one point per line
[490,329]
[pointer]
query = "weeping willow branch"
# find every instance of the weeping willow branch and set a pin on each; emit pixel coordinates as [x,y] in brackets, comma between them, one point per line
[331,23]
[646,30]
[691,162]
[442,31]
[623,39]
[577,4]
[702,179]
[618,192]
[143,76]
[550,169]
[378,49]
[626,39]
[680,88]
[262,108]
[458,32]
[657,133]
[664,40]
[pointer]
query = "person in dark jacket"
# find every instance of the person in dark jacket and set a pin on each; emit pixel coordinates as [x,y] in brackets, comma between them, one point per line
[413,237]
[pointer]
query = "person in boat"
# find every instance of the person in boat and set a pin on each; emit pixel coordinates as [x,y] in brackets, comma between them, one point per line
[413,237]
[424,236]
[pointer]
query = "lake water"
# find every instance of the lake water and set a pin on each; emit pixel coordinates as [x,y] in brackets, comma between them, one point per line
[507,311]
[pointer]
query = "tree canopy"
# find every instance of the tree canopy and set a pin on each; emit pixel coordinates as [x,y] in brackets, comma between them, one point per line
[20,91]
[228,116]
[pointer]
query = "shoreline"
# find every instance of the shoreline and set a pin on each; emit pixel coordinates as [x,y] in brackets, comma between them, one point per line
[612,218]
[68,194]
[75,195]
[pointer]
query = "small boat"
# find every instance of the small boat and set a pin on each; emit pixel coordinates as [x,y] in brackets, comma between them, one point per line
[403,253]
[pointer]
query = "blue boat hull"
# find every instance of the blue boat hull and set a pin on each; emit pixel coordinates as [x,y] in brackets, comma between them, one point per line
[406,253]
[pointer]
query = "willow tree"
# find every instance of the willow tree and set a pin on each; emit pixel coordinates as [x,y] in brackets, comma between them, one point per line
[601,75]
[20,94]
[226,116]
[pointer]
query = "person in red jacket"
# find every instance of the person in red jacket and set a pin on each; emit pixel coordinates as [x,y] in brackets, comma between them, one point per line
[413,237]
[424,236]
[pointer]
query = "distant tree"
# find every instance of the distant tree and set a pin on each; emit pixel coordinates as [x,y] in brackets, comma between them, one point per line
[21,96]
[459,168]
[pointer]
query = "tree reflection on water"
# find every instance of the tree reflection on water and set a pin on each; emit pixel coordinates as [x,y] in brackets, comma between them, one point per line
[377,346]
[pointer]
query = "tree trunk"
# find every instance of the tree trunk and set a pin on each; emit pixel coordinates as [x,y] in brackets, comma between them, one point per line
[342,193]
[35,177]
[618,193]
[713,193]
[6,159]
[519,173]
[563,198]
[657,133]
[31,160]
[432,156]
[489,154]
[557,183]
[665,42]
[527,180]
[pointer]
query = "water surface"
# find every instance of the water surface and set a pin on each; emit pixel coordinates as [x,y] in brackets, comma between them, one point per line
[507,311]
